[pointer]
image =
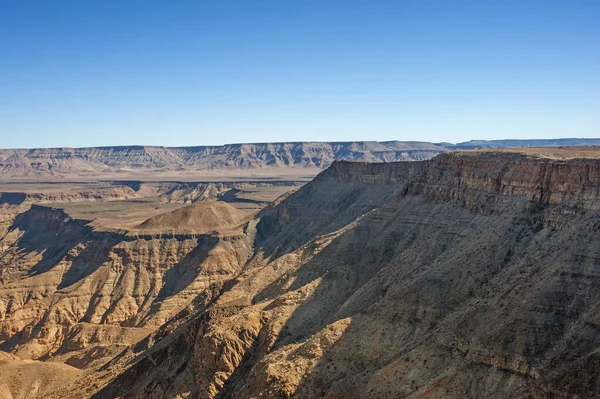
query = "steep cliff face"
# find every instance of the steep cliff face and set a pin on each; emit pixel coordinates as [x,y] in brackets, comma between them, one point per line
[464,276]
[458,175]
[468,275]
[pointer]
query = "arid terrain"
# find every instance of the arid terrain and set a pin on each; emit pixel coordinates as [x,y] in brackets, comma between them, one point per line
[232,162]
[459,274]
[237,162]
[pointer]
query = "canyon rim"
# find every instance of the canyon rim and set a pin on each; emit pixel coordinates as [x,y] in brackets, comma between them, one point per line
[471,274]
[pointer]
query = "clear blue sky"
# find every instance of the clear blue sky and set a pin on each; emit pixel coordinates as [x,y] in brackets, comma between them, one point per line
[87,73]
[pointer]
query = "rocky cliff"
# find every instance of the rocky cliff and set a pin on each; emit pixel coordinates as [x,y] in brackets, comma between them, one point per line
[464,276]
[123,161]
[468,275]
[71,162]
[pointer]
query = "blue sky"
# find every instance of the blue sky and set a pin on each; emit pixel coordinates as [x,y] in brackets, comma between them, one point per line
[87,73]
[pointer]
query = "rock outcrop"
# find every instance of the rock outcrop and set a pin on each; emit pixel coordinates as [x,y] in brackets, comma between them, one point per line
[468,275]
[464,276]
[80,294]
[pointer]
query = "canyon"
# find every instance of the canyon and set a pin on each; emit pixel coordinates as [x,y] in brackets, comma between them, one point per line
[458,274]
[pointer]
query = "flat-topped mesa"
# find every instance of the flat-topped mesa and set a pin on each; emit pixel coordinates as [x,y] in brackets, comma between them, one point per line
[459,176]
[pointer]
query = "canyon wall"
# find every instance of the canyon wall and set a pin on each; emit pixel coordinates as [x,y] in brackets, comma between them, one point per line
[468,275]
[464,276]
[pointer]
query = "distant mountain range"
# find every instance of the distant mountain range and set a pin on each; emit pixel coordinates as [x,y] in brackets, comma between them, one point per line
[313,156]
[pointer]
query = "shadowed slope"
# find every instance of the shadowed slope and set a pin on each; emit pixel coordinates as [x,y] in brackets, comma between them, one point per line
[469,275]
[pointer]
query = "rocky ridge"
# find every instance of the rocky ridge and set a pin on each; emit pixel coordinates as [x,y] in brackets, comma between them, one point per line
[145,161]
[87,161]
[469,275]
[457,277]
[80,295]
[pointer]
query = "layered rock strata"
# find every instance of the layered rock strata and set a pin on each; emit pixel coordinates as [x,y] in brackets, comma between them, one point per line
[470,275]
[464,276]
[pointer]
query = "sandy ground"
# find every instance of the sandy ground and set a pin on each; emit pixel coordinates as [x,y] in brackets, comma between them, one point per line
[32,379]
[59,187]
[129,214]
[125,214]
[283,174]
[201,218]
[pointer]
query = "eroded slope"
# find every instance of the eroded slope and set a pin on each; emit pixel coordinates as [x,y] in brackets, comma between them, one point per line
[79,295]
[465,276]
[470,275]
[202,217]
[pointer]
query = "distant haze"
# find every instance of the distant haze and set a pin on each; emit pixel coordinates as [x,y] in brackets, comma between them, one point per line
[283,161]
